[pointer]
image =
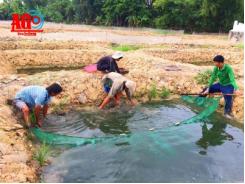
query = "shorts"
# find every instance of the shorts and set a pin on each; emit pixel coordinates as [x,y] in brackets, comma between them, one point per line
[107,89]
[19,104]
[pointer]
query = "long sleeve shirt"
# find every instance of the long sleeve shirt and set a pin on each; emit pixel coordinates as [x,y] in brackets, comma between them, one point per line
[108,64]
[225,76]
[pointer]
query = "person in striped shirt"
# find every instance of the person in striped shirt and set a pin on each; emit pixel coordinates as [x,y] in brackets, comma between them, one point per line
[35,98]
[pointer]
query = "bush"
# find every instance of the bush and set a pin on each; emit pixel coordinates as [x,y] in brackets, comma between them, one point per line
[203,77]
[164,93]
[153,92]
[42,154]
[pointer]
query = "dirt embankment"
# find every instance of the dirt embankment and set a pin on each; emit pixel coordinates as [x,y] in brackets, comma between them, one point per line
[168,65]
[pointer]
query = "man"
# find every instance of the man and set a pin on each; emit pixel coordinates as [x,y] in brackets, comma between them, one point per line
[35,98]
[226,85]
[114,84]
[109,63]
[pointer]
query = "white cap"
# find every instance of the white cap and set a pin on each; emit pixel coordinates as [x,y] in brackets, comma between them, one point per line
[117,55]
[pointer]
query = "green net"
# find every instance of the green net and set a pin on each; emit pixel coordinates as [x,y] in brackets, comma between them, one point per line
[209,105]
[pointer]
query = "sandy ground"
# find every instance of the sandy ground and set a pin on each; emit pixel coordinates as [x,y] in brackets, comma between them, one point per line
[169,60]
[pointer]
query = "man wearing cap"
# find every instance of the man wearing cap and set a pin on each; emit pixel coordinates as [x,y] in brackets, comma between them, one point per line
[109,63]
[114,84]
[35,98]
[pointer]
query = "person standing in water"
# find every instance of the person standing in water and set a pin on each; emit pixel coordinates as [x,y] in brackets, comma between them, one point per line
[109,63]
[227,83]
[114,84]
[35,98]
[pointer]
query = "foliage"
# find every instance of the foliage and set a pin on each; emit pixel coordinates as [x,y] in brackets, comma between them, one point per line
[124,48]
[42,154]
[190,15]
[240,46]
[203,77]
[164,92]
[59,107]
[152,92]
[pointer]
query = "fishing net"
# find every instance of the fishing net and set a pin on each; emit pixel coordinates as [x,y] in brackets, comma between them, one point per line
[209,105]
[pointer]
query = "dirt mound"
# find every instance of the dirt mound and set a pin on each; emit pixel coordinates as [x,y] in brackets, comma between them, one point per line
[198,56]
[6,68]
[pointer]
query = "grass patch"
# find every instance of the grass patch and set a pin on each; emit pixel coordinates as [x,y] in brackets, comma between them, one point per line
[124,48]
[62,104]
[41,155]
[164,93]
[240,46]
[154,92]
[203,77]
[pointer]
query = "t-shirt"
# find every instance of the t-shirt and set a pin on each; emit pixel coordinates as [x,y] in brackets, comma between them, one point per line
[118,84]
[225,76]
[34,95]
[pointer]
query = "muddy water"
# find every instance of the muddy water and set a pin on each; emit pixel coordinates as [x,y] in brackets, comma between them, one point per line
[210,151]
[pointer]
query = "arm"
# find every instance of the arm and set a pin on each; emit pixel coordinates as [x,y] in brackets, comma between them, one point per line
[116,66]
[105,102]
[45,110]
[213,77]
[129,97]
[232,78]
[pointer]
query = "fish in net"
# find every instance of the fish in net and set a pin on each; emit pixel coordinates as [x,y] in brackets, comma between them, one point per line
[209,105]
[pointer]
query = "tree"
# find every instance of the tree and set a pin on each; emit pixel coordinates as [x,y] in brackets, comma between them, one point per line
[126,13]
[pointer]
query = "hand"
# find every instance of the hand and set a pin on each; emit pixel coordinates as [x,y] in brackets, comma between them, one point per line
[133,102]
[237,92]
[205,92]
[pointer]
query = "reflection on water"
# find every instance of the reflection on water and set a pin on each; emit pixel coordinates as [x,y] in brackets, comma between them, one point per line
[213,136]
[210,151]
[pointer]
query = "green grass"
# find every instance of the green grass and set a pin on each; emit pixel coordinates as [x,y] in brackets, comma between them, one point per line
[152,92]
[41,155]
[240,46]
[203,77]
[124,48]
[61,105]
[164,93]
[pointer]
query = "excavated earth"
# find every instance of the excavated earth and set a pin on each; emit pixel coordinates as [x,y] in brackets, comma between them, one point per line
[165,60]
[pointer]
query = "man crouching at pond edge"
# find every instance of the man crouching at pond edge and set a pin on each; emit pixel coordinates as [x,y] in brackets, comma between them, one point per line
[114,84]
[227,83]
[36,99]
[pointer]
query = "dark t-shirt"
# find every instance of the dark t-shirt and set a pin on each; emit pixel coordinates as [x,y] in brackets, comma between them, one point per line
[107,64]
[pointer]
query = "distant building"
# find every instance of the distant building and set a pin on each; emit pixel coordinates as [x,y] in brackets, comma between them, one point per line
[237,32]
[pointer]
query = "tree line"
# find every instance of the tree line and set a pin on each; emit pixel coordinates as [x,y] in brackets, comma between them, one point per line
[188,15]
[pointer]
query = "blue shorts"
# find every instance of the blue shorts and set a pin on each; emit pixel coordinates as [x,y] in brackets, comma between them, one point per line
[107,89]
[19,104]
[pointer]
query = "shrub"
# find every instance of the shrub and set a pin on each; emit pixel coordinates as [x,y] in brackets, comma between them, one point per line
[203,77]
[42,154]
[164,93]
[152,92]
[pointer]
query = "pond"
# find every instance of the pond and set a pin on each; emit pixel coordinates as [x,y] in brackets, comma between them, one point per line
[208,151]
